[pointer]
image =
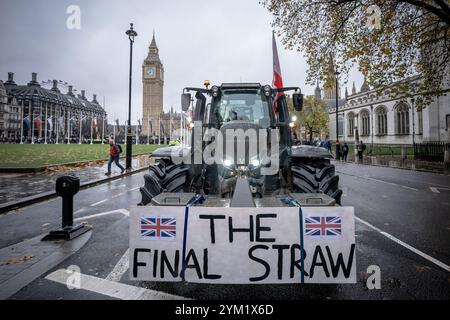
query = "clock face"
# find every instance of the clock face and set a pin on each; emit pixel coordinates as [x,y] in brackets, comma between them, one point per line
[150,72]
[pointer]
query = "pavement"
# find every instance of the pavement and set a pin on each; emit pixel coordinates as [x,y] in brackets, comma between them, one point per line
[17,186]
[402,226]
[400,163]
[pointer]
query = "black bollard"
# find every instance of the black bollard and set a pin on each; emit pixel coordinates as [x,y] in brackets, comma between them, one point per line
[66,187]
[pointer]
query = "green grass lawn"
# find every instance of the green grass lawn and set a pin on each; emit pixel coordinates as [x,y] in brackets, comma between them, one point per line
[39,155]
[381,150]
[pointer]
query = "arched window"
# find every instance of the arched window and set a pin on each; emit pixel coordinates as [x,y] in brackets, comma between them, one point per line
[402,118]
[350,124]
[365,123]
[381,118]
[420,121]
[341,125]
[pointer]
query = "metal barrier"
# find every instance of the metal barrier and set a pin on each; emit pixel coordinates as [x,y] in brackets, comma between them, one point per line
[430,151]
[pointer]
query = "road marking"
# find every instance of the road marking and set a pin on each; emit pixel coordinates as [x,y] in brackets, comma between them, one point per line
[120,268]
[125,212]
[410,188]
[79,210]
[110,288]
[436,189]
[99,202]
[407,246]
[134,189]
[118,195]
[378,180]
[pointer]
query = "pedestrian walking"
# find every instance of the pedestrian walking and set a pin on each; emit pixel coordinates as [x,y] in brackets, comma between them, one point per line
[344,151]
[114,155]
[361,148]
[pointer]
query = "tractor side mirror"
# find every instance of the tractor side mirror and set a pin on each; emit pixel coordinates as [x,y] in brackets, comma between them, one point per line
[185,101]
[297,99]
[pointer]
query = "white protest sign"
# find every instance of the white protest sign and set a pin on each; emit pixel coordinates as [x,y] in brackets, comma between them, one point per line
[243,245]
[156,242]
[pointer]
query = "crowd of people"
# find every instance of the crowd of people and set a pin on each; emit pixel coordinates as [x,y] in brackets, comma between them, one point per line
[342,148]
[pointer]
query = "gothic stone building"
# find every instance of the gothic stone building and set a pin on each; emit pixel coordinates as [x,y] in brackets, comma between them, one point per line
[52,115]
[386,120]
[153,89]
[9,117]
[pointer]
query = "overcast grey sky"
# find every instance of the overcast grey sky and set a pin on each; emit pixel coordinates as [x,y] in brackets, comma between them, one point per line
[222,41]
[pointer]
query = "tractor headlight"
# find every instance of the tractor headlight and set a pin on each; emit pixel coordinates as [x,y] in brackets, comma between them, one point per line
[215,91]
[227,163]
[294,118]
[267,90]
[291,124]
[256,163]
[191,125]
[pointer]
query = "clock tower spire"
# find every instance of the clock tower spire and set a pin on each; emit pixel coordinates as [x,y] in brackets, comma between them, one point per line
[153,84]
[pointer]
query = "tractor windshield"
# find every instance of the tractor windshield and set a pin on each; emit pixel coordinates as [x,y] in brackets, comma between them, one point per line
[242,105]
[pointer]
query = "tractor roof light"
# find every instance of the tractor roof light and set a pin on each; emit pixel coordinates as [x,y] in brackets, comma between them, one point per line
[267,90]
[206,83]
[215,91]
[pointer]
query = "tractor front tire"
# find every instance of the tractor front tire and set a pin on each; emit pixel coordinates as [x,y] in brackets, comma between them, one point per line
[316,176]
[164,175]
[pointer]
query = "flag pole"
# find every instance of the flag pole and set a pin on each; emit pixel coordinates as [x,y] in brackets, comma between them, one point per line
[57,125]
[68,128]
[21,127]
[92,120]
[103,121]
[46,120]
[148,129]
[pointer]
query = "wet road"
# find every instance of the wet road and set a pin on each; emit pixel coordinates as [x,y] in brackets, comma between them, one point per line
[402,226]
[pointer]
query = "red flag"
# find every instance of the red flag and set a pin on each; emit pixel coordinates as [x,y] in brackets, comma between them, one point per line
[277,79]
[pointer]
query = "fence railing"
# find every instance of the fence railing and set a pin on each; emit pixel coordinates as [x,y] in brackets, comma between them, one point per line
[430,151]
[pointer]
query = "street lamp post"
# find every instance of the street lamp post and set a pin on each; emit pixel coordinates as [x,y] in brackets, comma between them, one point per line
[337,117]
[131,34]
[413,122]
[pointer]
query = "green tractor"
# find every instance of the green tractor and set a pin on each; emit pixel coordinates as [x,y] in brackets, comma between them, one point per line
[233,111]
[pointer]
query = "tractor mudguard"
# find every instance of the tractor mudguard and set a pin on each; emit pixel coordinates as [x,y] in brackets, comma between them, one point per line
[305,151]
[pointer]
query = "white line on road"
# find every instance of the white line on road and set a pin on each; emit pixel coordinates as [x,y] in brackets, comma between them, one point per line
[407,246]
[118,195]
[120,268]
[110,288]
[134,189]
[410,188]
[99,202]
[378,180]
[123,211]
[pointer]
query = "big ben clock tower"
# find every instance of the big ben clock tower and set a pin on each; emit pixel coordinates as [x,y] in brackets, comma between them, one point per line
[153,84]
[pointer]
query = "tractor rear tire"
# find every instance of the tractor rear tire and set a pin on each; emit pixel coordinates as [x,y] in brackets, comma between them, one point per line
[316,177]
[164,175]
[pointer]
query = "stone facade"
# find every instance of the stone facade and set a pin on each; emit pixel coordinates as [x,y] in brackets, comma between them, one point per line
[9,117]
[386,120]
[153,91]
[48,115]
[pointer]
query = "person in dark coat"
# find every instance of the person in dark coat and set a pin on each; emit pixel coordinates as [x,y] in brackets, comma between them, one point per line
[344,151]
[361,148]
